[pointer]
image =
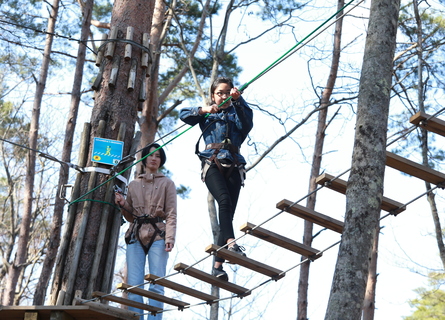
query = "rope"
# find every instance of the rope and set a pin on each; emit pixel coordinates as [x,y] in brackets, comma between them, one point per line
[267,69]
[291,51]
[309,259]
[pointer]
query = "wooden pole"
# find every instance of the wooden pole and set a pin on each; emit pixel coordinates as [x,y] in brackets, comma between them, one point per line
[105,226]
[114,72]
[69,226]
[109,52]
[82,229]
[117,222]
[128,47]
[132,75]
[100,54]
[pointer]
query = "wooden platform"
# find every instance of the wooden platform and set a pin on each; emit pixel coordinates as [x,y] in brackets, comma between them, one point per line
[200,275]
[340,186]
[311,215]
[81,312]
[280,241]
[180,288]
[414,169]
[245,262]
[432,124]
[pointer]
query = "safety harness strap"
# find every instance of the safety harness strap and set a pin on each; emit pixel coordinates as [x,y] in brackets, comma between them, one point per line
[140,221]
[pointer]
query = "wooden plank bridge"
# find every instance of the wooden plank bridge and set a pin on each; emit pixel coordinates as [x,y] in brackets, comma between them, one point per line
[82,309]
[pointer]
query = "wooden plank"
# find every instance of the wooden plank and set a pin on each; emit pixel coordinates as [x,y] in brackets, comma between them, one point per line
[179,287]
[200,275]
[414,169]
[311,215]
[152,295]
[245,262]
[88,310]
[281,241]
[433,124]
[340,186]
[126,302]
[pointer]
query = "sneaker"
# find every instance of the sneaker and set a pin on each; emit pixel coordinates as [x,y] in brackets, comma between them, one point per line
[237,249]
[220,273]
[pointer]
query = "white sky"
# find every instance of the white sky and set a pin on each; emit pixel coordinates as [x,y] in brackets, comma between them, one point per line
[407,247]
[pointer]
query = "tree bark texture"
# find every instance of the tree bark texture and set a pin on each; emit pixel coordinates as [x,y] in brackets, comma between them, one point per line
[303,284]
[369,302]
[20,260]
[59,204]
[92,243]
[424,134]
[150,109]
[213,214]
[365,184]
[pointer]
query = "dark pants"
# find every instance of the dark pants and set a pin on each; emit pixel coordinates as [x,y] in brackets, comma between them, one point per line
[225,190]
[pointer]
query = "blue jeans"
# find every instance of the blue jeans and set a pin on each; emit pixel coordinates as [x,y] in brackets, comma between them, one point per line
[157,263]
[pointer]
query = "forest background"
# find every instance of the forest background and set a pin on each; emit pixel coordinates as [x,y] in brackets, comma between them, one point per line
[281,100]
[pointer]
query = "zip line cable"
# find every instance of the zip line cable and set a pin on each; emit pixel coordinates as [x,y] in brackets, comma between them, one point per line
[292,50]
[241,295]
[267,69]
[312,258]
[286,55]
[282,58]
[393,212]
[275,63]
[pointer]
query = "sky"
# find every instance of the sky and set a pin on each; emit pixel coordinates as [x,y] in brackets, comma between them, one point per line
[407,249]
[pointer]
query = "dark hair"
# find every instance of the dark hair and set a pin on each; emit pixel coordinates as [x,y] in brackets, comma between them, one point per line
[146,151]
[218,81]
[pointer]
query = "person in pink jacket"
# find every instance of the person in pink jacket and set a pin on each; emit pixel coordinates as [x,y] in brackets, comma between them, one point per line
[150,207]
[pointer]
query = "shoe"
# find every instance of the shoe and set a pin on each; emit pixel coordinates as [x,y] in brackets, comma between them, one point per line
[237,249]
[220,273]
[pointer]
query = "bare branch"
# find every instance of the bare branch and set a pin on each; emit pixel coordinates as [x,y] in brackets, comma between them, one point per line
[99,24]
[279,140]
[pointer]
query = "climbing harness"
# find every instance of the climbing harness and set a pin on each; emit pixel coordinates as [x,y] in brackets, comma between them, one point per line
[226,144]
[133,234]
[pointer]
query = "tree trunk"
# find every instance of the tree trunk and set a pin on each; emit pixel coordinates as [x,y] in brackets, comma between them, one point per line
[20,260]
[54,241]
[92,246]
[213,214]
[303,284]
[365,185]
[150,109]
[369,302]
[424,134]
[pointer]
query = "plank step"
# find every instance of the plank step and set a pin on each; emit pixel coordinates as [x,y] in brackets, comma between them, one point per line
[280,241]
[311,215]
[180,288]
[152,295]
[124,301]
[414,169]
[339,185]
[429,123]
[245,262]
[200,275]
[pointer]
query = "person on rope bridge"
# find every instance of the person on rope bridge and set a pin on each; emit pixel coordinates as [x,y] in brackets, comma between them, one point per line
[224,125]
[150,207]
